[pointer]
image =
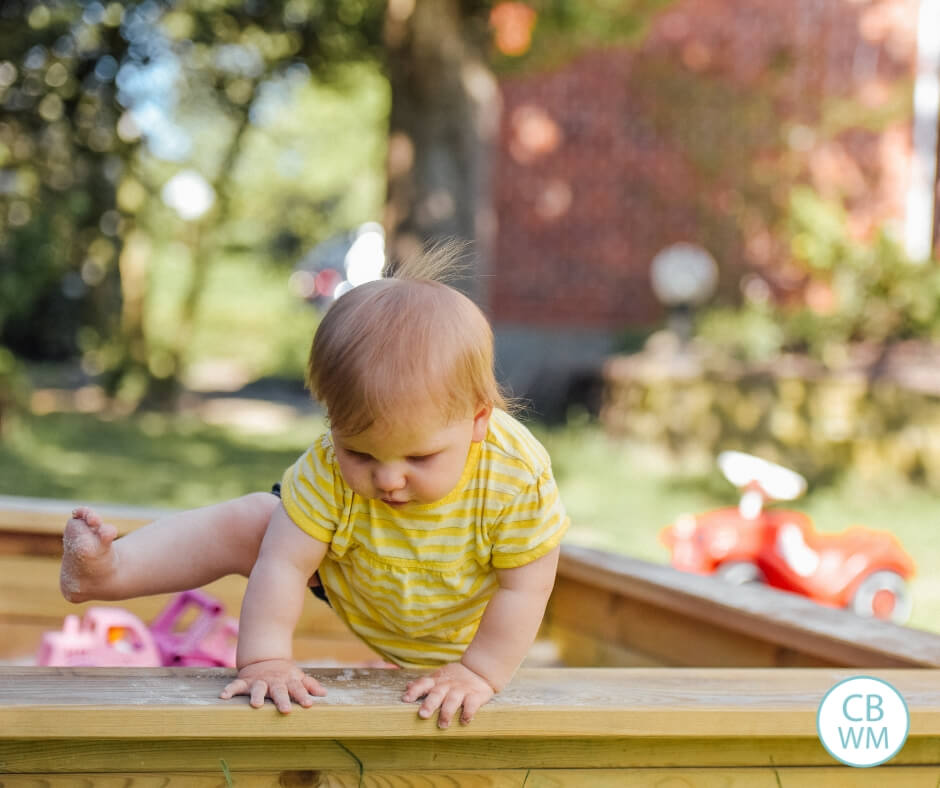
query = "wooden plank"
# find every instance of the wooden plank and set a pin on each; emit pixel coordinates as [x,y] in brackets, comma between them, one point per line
[449,753]
[19,643]
[662,752]
[595,778]
[789,621]
[584,650]
[625,631]
[16,543]
[19,640]
[215,779]
[679,702]
[309,778]
[47,516]
[552,727]
[31,604]
[29,589]
[844,777]
[737,778]
[661,635]
[653,778]
[172,755]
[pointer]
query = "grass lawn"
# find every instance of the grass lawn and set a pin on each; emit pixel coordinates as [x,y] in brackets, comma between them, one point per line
[619,498]
[151,459]
[246,315]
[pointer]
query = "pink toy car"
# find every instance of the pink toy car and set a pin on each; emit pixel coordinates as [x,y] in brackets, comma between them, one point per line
[209,641]
[104,637]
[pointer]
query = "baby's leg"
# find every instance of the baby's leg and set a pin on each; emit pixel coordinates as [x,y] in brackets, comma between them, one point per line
[175,553]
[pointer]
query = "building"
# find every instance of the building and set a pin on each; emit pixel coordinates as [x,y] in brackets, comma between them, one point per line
[697,134]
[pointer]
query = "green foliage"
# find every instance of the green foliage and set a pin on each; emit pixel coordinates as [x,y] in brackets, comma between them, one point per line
[12,387]
[878,295]
[248,316]
[751,333]
[314,166]
[61,158]
[279,105]
[865,292]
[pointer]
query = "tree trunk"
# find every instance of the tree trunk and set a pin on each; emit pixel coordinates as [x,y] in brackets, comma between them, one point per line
[443,125]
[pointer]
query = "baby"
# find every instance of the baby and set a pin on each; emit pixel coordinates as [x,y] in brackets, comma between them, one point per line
[426,516]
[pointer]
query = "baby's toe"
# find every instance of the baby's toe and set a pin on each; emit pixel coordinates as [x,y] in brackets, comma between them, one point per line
[79,540]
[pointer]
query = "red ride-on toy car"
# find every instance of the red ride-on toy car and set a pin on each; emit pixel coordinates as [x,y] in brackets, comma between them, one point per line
[863,570]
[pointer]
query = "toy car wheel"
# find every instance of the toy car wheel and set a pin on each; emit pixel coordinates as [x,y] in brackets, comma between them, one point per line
[883,594]
[740,572]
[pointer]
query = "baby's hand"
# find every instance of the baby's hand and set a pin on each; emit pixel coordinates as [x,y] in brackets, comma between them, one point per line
[278,679]
[448,689]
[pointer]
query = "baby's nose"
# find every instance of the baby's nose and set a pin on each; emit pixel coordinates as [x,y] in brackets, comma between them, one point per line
[388,479]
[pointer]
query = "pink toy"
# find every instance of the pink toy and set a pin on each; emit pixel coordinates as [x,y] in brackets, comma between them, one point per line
[104,637]
[209,641]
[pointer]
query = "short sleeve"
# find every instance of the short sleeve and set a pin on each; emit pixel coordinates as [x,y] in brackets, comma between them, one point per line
[312,491]
[531,526]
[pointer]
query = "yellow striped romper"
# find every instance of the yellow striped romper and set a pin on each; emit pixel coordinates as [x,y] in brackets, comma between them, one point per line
[413,584]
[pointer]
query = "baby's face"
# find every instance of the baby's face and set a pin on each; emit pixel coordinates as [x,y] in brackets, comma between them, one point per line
[401,465]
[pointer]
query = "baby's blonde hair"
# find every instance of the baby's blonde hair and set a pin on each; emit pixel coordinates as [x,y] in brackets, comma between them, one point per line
[386,346]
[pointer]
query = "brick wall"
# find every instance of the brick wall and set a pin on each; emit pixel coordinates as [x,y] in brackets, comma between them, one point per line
[696,135]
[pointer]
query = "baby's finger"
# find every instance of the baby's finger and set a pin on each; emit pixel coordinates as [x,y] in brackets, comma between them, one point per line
[313,686]
[449,707]
[298,692]
[471,705]
[417,688]
[233,688]
[281,697]
[432,702]
[258,692]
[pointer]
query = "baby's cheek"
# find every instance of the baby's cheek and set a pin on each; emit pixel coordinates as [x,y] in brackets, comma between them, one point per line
[436,486]
[355,478]
[361,487]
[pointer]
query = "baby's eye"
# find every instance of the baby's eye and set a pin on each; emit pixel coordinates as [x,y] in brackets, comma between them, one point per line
[419,458]
[359,455]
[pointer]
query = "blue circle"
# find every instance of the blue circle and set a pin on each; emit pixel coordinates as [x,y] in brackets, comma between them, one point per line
[907,727]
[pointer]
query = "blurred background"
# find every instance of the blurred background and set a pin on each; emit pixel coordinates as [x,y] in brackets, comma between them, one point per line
[696,225]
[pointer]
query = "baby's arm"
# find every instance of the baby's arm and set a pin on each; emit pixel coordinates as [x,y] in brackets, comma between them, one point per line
[507,630]
[273,602]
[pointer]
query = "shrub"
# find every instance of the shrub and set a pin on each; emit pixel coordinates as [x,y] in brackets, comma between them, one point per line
[854,291]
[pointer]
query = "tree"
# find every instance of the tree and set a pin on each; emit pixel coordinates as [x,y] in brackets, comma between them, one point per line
[74,223]
[81,204]
[443,124]
[61,158]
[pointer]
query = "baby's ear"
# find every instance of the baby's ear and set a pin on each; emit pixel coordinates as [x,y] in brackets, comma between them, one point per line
[481,421]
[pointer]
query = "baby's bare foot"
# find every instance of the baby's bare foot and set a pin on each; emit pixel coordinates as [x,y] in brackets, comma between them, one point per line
[88,560]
